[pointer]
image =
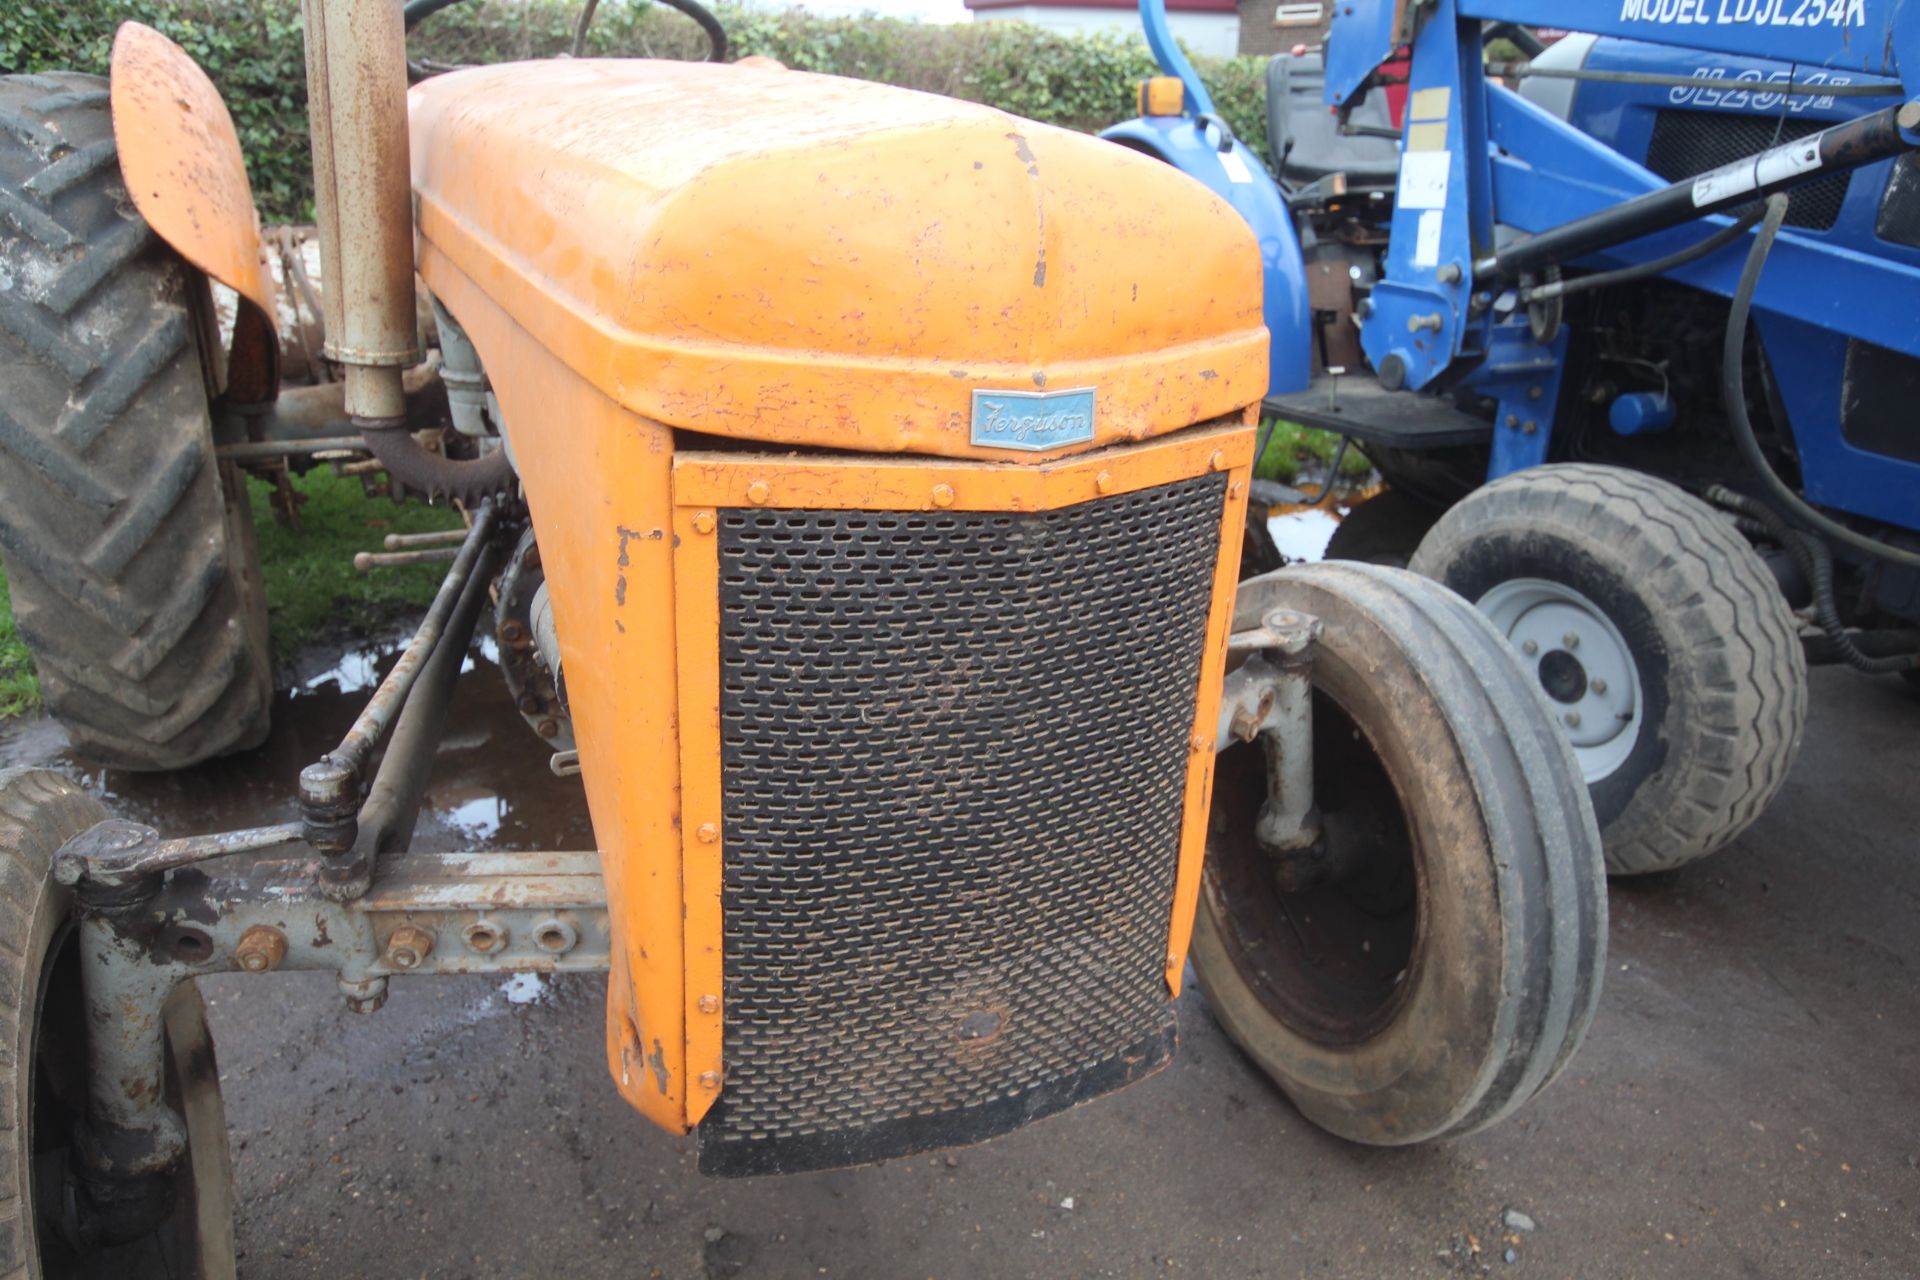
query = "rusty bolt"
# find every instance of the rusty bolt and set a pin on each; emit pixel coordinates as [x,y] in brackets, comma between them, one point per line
[707,833]
[548,728]
[709,1079]
[709,1004]
[1218,462]
[365,997]
[408,946]
[1528,427]
[485,937]
[1237,488]
[511,630]
[1103,483]
[758,492]
[943,495]
[261,949]
[703,522]
[1534,393]
[1199,743]
[1245,724]
[1173,961]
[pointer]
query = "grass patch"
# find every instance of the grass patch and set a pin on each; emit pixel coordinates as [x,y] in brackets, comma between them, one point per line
[311,584]
[1293,447]
[19,689]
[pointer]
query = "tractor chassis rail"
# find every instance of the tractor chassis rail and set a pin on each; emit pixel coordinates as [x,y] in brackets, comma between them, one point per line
[155,913]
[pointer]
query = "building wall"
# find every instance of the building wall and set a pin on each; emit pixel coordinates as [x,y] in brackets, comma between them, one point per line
[1298,24]
[1216,35]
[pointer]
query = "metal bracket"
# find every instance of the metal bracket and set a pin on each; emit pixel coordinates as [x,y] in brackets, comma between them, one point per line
[1269,696]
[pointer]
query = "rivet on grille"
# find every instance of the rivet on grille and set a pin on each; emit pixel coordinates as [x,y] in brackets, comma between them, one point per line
[758,493]
[1199,743]
[1218,462]
[1103,482]
[709,1004]
[709,1079]
[1172,959]
[1237,488]
[707,833]
[943,495]
[703,522]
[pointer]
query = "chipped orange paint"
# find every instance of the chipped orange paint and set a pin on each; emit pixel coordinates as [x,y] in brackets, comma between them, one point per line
[642,252]
[181,160]
[805,260]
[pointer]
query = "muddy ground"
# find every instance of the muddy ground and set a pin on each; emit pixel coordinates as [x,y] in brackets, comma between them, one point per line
[1748,1103]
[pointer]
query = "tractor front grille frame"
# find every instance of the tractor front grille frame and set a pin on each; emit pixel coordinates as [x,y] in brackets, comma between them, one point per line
[954,772]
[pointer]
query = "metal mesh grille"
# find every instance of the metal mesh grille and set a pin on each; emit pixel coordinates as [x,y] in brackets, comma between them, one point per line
[954,749]
[1687,143]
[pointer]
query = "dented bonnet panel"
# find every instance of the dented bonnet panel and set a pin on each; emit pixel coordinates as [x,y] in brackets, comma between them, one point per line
[809,260]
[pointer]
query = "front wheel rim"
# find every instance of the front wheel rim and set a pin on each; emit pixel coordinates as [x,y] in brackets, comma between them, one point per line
[1580,661]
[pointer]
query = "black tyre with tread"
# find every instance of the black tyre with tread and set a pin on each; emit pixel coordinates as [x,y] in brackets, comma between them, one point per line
[1718,656]
[128,546]
[1384,529]
[1448,971]
[43,1081]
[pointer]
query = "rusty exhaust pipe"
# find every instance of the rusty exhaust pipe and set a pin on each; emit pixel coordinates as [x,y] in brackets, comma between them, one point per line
[357,101]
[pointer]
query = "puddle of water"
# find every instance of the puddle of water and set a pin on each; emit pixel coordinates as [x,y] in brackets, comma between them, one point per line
[524,988]
[1303,535]
[490,788]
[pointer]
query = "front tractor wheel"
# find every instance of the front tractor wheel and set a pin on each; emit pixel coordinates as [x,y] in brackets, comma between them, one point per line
[174,1225]
[1433,958]
[1670,658]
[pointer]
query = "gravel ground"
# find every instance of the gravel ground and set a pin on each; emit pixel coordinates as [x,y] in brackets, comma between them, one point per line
[1746,1105]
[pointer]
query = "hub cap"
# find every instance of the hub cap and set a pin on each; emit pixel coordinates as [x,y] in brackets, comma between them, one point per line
[1582,662]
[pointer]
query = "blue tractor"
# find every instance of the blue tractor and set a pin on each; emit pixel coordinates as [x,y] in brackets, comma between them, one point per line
[1634,345]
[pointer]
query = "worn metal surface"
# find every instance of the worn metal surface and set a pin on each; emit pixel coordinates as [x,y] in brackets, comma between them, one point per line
[910,487]
[366,561]
[425,913]
[529,660]
[329,788]
[886,254]
[357,106]
[184,171]
[385,821]
[954,754]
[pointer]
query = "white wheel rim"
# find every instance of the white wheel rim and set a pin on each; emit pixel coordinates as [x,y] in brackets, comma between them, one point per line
[1580,661]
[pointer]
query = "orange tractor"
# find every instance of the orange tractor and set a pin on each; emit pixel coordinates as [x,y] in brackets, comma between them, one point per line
[858,479]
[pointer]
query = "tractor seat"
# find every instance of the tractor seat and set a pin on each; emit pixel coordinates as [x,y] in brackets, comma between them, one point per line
[1306,138]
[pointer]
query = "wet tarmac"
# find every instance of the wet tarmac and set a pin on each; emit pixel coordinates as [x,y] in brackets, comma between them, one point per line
[1747,1104]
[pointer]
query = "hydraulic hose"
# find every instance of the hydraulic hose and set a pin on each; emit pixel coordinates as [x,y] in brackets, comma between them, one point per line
[1658,267]
[1733,392]
[1816,561]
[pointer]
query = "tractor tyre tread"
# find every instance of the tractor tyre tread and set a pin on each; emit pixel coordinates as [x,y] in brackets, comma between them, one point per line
[1725,611]
[1551,942]
[39,811]
[132,577]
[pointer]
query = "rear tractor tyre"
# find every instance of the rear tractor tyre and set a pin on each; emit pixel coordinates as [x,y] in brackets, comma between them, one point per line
[128,545]
[1670,657]
[1384,529]
[43,1076]
[1446,964]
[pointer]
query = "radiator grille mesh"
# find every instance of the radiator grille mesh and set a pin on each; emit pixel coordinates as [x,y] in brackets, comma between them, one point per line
[1688,143]
[954,749]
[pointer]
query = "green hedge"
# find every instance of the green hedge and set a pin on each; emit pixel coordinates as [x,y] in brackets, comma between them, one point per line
[252,50]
